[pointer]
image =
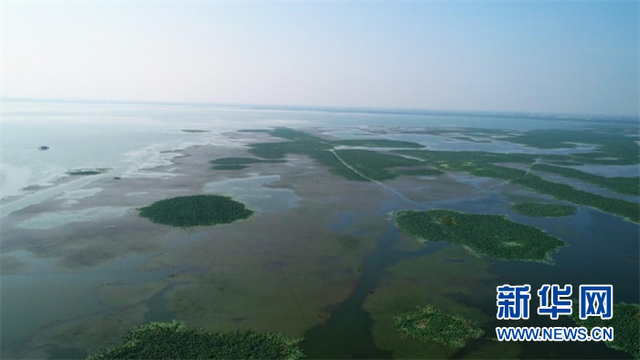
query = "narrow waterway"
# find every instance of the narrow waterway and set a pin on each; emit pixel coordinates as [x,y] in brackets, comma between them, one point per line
[347,333]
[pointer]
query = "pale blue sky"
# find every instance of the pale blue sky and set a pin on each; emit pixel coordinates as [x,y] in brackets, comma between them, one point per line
[575,57]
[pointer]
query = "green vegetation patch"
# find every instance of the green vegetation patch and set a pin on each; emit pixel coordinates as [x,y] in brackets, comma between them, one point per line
[477,163]
[381,143]
[330,160]
[243,161]
[303,144]
[622,208]
[375,165]
[544,210]
[293,135]
[621,185]
[371,164]
[229,167]
[196,210]
[176,341]
[430,324]
[614,147]
[492,235]
[87,172]
[417,172]
[239,163]
[195,131]
[626,325]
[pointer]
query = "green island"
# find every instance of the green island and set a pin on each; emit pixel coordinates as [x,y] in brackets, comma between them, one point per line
[195,131]
[380,143]
[87,172]
[621,185]
[544,210]
[174,340]
[430,324]
[491,235]
[626,325]
[196,210]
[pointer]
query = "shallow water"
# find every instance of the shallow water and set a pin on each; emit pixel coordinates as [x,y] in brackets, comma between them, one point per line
[252,192]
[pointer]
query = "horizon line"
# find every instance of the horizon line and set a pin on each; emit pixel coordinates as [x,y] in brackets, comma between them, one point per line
[355,109]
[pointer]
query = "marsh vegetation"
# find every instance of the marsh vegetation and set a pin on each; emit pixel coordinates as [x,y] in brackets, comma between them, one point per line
[375,165]
[485,164]
[621,185]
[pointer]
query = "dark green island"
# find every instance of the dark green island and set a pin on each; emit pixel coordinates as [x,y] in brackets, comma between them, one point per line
[176,341]
[491,235]
[196,210]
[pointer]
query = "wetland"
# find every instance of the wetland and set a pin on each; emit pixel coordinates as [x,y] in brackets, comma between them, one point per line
[323,242]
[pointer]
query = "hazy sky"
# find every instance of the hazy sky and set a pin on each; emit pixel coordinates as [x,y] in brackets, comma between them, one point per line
[578,57]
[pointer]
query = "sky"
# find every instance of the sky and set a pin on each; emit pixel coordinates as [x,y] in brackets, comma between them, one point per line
[548,56]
